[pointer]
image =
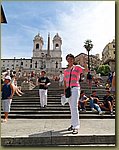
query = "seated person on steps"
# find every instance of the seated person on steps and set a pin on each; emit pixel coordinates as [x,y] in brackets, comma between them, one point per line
[82,101]
[15,87]
[94,103]
[107,103]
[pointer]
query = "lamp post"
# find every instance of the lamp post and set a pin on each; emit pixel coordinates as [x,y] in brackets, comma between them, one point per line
[88,46]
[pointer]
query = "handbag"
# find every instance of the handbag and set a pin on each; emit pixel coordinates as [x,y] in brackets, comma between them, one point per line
[68,89]
[68,92]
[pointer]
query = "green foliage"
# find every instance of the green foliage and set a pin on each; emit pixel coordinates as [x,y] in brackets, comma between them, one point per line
[103,70]
[96,69]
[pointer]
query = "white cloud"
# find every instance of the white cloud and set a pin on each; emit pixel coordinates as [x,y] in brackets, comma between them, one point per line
[96,23]
[76,23]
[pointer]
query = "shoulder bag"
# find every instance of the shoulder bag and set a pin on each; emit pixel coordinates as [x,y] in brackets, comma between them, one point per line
[68,89]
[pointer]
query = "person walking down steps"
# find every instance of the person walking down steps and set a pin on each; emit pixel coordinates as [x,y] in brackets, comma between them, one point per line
[44,82]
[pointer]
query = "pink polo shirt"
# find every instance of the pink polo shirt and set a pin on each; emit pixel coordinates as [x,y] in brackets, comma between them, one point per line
[75,75]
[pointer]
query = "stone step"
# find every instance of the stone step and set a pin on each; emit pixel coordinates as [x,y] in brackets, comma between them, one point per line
[49,108]
[60,140]
[51,102]
[49,97]
[48,105]
[51,111]
[58,93]
[57,116]
[28,105]
[60,90]
[82,87]
[58,98]
[34,103]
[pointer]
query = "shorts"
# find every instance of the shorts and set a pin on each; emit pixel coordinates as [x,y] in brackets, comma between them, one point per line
[6,103]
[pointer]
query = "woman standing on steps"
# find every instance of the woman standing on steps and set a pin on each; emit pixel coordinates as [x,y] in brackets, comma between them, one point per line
[71,78]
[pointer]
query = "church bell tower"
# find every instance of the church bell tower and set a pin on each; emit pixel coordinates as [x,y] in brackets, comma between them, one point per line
[57,42]
[38,44]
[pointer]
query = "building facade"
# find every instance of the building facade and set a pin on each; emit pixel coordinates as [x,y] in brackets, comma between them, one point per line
[108,55]
[82,59]
[42,59]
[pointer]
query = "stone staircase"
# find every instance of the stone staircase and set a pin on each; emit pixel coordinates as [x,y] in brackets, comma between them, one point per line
[28,106]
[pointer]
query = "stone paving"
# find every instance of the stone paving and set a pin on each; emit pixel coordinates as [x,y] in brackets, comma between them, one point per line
[54,132]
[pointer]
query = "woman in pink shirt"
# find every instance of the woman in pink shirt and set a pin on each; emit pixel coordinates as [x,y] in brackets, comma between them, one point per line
[75,71]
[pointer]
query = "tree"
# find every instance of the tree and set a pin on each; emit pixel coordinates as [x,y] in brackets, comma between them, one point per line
[88,46]
[103,70]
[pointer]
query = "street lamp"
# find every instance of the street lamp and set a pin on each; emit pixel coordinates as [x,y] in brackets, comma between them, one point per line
[88,46]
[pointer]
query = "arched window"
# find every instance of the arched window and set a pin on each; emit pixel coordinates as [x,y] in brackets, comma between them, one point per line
[37,46]
[57,46]
[36,64]
[56,64]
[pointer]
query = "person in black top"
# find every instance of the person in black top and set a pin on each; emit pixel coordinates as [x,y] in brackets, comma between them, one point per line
[44,82]
[108,102]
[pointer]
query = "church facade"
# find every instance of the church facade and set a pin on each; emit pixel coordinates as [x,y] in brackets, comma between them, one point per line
[42,59]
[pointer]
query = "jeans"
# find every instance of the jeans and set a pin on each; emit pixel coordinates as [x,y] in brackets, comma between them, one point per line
[82,105]
[94,105]
[73,103]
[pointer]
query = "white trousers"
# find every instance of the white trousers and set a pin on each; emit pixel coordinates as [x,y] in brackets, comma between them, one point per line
[73,103]
[43,97]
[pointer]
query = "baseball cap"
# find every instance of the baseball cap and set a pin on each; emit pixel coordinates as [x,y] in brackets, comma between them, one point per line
[7,78]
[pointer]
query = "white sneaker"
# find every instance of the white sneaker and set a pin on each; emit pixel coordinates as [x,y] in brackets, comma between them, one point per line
[101,112]
[94,110]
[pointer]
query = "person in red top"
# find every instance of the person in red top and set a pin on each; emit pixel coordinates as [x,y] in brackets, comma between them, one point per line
[72,73]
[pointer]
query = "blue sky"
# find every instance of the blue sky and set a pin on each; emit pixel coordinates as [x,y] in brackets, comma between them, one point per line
[74,21]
